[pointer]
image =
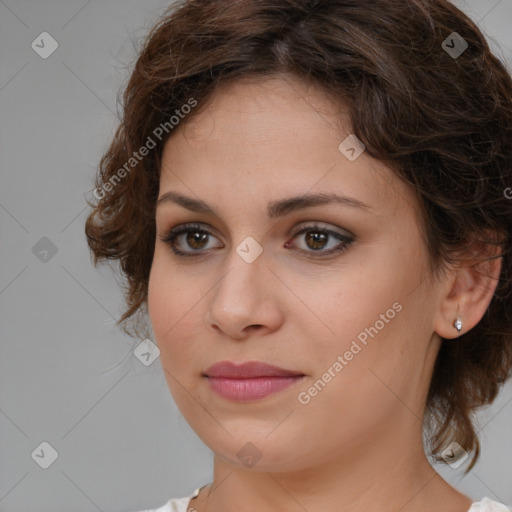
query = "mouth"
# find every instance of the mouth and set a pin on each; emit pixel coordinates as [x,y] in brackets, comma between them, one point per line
[249,381]
[248,370]
[245,390]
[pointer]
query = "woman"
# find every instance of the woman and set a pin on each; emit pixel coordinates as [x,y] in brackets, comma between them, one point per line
[309,200]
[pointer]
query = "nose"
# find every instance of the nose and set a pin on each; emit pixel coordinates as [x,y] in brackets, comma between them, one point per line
[246,300]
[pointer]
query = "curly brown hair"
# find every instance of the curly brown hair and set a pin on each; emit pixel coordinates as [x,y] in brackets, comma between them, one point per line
[441,121]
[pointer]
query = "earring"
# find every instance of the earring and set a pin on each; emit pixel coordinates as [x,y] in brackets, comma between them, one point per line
[458,324]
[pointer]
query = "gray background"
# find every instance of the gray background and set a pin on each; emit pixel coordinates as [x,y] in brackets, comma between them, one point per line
[68,376]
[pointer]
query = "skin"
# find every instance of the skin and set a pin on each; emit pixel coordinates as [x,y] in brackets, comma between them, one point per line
[357,444]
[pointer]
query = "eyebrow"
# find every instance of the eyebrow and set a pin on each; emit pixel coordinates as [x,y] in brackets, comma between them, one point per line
[275,209]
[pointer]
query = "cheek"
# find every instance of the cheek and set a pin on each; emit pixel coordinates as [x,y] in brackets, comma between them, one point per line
[354,371]
[174,311]
[175,321]
[165,302]
[376,348]
[157,298]
[353,302]
[364,320]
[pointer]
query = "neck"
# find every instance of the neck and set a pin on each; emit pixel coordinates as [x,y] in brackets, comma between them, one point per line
[388,474]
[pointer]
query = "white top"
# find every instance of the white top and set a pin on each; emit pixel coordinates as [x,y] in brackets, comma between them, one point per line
[182,504]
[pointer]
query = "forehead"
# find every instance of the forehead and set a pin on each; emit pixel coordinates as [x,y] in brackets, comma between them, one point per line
[271,139]
[244,107]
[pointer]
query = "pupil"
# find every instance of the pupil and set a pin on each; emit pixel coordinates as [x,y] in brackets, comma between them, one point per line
[316,237]
[194,237]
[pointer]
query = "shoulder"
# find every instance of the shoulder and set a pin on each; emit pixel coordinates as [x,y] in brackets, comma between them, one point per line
[176,504]
[488,505]
[173,505]
[181,505]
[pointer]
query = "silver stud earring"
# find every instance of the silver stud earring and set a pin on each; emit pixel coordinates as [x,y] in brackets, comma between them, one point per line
[458,324]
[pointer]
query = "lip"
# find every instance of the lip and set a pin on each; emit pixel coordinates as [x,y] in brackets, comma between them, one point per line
[249,381]
[248,370]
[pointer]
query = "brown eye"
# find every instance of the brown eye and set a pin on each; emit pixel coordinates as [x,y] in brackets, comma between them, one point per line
[192,236]
[317,238]
[192,240]
[196,239]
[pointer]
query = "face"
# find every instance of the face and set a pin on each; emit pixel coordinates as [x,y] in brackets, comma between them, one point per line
[334,291]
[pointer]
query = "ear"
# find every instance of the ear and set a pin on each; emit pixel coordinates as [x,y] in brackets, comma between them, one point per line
[470,286]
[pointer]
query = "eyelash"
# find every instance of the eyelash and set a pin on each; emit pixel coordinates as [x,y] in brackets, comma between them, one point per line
[170,237]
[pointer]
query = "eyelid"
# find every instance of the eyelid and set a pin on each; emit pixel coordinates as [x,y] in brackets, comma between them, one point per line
[311,224]
[344,240]
[323,226]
